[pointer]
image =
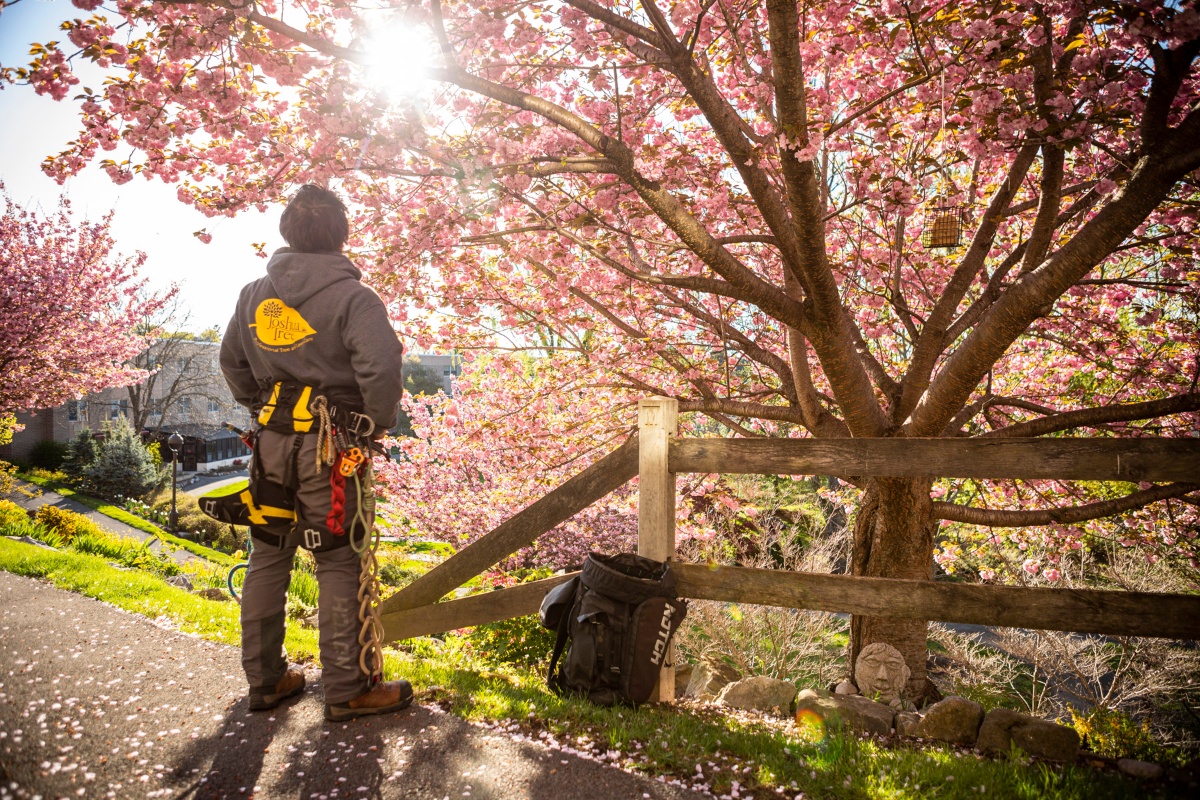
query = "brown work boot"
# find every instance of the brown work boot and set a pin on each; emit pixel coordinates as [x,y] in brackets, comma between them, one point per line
[383,698]
[290,685]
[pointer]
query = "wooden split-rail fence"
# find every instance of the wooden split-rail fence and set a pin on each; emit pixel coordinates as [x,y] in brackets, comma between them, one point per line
[655,456]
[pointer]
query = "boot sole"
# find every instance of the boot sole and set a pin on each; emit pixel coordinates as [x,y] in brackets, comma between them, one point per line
[265,702]
[345,713]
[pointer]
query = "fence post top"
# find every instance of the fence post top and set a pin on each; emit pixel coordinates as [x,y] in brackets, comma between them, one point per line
[658,412]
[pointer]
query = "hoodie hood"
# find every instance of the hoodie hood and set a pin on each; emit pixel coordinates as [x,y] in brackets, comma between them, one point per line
[298,276]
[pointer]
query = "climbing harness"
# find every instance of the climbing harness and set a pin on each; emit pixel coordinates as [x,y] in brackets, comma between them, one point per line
[345,447]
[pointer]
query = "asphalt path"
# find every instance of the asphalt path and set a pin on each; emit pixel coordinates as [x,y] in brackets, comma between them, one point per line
[99,703]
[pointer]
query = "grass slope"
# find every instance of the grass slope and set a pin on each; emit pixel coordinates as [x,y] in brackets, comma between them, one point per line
[132,520]
[742,754]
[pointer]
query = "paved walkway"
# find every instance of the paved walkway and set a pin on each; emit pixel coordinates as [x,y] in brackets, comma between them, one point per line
[99,703]
[52,498]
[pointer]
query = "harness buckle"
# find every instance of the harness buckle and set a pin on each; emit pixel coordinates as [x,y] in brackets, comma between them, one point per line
[361,425]
[312,538]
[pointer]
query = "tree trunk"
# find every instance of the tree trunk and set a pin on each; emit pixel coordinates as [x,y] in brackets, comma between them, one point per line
[893,538]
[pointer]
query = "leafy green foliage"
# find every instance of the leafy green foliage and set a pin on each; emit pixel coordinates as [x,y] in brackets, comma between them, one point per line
[48,454]
[521,641]
[11,514]
[81,454]
[123,466]
[1117,735]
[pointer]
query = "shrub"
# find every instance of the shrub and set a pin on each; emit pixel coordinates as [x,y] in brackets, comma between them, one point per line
[34,530]
[48,455]
[512,641]
[81,454]
[123,466]
[11,514]
[125,551]
[1117,735]
[67,524]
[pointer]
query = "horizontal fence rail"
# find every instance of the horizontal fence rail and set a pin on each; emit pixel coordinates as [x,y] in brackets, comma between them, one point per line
[1066,459]
[609,473]
[1113,613]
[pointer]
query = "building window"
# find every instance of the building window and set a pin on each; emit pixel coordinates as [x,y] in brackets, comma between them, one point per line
[185,405]
[214,406]
[73,410]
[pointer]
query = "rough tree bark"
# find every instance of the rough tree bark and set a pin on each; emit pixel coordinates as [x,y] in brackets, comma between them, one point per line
[893,538]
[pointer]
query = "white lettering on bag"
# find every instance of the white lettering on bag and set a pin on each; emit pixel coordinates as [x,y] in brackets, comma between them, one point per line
[664,635]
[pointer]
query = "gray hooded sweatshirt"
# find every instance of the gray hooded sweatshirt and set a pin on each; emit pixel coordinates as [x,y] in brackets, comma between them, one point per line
[312,321]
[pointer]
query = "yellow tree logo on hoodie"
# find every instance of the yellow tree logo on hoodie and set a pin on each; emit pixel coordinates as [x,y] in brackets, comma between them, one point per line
[279,327]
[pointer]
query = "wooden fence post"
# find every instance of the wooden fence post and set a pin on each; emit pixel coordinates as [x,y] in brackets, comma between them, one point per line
[658,419]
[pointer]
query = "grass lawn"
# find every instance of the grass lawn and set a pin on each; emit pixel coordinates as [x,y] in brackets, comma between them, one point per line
[696,745]
[132,520]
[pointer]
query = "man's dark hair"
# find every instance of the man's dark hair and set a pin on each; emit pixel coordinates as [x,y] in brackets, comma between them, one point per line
[315,221]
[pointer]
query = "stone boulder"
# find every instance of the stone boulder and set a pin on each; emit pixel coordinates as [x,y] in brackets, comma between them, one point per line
[213,593]
[851,711]
[683,676]
[709,677]
[906,723]
[312,621]
[1003,728]
[32,541]
[1145,770]
[759,693]
[846,687]
[180,581]
[954,719]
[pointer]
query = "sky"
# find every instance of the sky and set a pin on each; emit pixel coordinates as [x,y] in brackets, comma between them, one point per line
[147,215]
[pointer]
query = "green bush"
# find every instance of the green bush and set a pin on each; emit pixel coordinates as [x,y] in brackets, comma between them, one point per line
[512,641]
[123,466]
[125,551]
[34,530]
[48,455]
[398,572]
[1116,735]
[81,454]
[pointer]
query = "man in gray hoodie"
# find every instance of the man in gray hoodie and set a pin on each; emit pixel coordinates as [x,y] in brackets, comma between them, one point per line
[309,329]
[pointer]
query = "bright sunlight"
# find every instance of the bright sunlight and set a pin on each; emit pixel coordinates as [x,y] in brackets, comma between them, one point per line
[399,57]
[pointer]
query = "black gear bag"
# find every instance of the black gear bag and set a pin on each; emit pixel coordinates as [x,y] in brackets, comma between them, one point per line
[619,615]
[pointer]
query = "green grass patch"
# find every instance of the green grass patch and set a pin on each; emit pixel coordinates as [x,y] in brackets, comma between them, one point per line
[132,520]
[225,491]
[142,594]
[757,755]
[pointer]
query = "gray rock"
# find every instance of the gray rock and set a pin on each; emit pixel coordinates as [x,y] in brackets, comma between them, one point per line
[30,540]
[906,723]
[309,622]
[1002,728]
[709,678]
[846,687]
[683,676]
[1140,769]
[213,593]
[181,581]
[852,711]
[1046,739]
[760,693]
[954,719]
[995,734]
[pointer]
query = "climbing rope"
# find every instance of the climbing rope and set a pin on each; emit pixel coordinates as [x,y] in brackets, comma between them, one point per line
[326,453]
[370,634]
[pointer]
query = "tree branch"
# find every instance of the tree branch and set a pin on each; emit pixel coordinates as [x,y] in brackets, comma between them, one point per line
[998,518]
[1087,417]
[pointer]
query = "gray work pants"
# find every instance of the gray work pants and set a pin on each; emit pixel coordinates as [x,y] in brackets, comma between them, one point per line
[264,595]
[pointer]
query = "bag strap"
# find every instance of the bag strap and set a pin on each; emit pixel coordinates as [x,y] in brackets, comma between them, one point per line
[560,643]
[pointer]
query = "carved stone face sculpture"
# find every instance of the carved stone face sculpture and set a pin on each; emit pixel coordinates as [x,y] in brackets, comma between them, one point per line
[880,672]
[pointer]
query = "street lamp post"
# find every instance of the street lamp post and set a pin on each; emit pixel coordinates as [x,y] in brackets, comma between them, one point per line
[174,441]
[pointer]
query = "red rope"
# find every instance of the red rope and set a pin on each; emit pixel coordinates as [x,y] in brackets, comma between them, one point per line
[337,499]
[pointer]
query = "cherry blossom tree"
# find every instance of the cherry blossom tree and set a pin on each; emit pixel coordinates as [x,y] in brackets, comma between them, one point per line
[751,205]
[68,308]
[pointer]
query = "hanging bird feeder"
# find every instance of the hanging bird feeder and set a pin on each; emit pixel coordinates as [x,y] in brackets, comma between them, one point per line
[944,226]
